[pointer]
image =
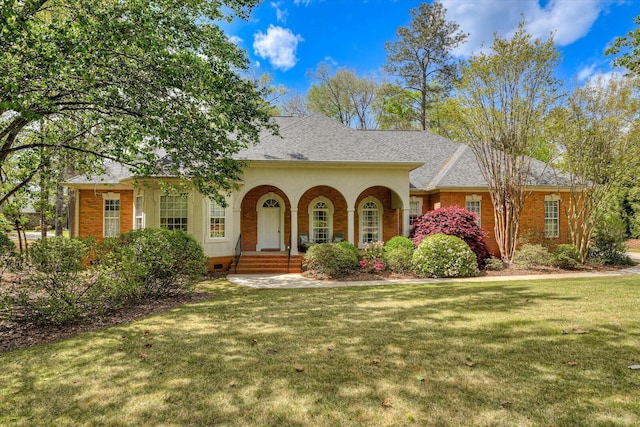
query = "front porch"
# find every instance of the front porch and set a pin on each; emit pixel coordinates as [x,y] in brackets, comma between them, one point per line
[252,262]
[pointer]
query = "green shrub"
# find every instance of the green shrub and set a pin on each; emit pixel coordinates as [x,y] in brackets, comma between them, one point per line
[373,257]
[398,242]
[151,263]
[493,264]
[399,259]
[566,256]
[330,259]
[609,245]
[350,247]
[532,256]
[57,288]
[8,254]
[441,255]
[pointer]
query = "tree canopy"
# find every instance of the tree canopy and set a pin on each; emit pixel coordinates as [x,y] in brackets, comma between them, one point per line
[153,84]
[422,57]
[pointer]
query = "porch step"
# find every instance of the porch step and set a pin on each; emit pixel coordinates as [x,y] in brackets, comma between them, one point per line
[267,264]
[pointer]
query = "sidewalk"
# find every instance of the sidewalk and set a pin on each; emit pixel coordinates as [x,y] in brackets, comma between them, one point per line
[291,281]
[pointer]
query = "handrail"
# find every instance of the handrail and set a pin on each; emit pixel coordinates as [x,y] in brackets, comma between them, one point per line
[238,252]
[289,253]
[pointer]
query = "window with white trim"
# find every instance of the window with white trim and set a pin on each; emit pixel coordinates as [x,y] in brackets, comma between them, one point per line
[415,209]
[370,220]
[174,212]
[551,216]
[111,214]
[320,223]
[138,213]
[217,221]
[473,204]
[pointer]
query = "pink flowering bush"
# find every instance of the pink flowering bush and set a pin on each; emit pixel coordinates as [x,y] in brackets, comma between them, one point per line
[453,221]
[373,257]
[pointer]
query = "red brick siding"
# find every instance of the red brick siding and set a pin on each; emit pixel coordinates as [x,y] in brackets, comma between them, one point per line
[249,216]
[91,213]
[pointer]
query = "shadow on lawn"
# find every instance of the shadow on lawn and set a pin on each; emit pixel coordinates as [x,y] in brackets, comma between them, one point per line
[440,354]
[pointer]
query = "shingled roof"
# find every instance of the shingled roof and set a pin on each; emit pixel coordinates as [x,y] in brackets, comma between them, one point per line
[436,162]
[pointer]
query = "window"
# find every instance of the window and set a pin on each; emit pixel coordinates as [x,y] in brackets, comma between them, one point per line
[138,214]
[473,204]
[415,210]
[320,224]
[551,216]
[173,212]
[217,221]
[111,215]
[320,220]
[370,221]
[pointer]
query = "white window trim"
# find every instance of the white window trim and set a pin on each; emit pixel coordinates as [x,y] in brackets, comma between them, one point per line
[475,198]
[377,202]
[310,210]
[137,214]
[189,209]
[552,198]
[105,197]
[207,218]
[418,200]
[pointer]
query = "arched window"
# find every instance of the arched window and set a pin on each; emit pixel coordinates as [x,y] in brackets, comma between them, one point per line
[320,220]
[271,203]
[370,220]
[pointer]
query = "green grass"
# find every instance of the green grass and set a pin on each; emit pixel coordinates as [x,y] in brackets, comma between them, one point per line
[481,354]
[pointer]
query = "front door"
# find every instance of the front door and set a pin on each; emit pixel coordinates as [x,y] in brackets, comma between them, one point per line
[270,225]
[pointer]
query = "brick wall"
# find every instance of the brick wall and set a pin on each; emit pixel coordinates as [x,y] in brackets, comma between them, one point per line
[91,213]
[531,220]
[249,216]
[339,209]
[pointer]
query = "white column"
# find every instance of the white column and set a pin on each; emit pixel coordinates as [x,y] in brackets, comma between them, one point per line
[294,231]
[405,222]
[351,225]
[236,228]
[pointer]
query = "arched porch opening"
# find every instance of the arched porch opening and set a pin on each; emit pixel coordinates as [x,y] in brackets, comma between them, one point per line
[379,215]
[322,215]
[265,219]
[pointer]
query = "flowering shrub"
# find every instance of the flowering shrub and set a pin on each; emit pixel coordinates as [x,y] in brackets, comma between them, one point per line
[442,255]
[454,221]
[373,257]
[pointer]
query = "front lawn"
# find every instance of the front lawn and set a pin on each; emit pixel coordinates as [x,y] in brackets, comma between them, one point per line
[553,353]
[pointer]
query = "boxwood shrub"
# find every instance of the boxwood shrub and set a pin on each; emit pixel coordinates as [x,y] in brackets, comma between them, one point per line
[330,259]
[442,255]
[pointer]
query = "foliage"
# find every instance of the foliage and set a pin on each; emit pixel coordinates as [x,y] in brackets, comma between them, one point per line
[493,264]
[373,257]
[393,107]
[422,57]
[628,50]
[351,247]
[441,255]
[398,242]
[8,255]
[56,288]
[399,259]
[330,259]
[566,256]
[343,96]
[454,221]
[150,84]
[609,242]
[151,263]
[597,131]
[532,256]
[502,97]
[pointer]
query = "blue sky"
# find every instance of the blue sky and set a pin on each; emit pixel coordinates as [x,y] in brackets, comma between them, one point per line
[288,38]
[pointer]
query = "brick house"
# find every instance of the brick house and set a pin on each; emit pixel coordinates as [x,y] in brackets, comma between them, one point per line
[317,181]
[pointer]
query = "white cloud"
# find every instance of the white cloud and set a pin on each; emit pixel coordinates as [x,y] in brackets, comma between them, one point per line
[278,45]
[301,2]
[603,79]
[569,20]
[586,72]
[236,40]
[281,14]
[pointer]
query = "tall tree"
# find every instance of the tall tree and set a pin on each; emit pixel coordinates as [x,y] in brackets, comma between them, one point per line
[627,50]
[394,107]
[422,57]
[343,95]
[295,105]
[502,99]
[155,83]
[597,132]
